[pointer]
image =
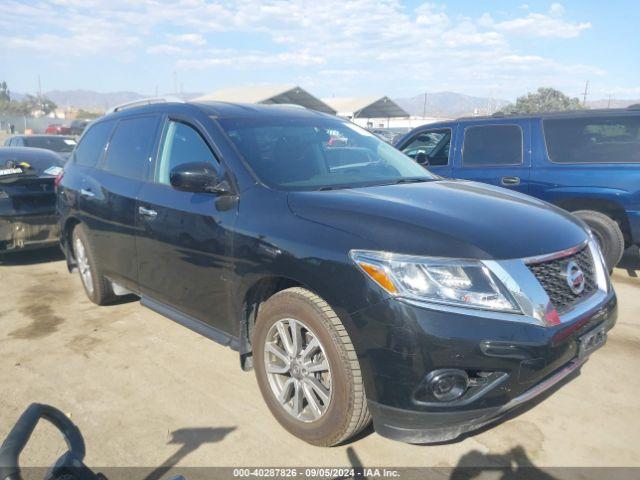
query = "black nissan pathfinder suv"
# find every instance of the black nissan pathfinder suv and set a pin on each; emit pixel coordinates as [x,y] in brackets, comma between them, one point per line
[354,282]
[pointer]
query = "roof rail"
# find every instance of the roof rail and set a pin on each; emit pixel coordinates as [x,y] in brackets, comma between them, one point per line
[144,101]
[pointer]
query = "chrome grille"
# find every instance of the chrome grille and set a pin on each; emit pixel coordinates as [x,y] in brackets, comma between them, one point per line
[552,277]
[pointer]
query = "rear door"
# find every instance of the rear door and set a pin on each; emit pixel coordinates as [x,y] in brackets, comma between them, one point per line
[184,238]
[432,149]
[113,191]
[495,152]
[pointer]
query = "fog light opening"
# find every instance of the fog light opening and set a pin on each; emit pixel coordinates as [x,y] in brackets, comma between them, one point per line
[447,385]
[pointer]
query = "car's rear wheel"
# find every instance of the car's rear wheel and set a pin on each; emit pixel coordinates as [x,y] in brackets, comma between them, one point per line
[307,369]
[607,233]
[96,285]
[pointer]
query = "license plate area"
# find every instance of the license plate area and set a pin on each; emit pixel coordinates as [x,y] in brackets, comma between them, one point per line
[591,341]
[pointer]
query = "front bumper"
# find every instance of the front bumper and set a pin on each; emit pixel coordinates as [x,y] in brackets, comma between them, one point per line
[431,427]
[405,342]
[19,232]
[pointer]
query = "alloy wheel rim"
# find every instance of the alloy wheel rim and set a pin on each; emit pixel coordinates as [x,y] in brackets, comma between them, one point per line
[83,266]
[298,370]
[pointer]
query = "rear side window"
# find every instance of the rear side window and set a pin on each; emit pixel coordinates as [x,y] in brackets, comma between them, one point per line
[91,147]
[182,144]
[130,147]
[593,139]
[492,145]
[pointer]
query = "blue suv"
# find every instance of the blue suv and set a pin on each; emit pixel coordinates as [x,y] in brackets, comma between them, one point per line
[587,162]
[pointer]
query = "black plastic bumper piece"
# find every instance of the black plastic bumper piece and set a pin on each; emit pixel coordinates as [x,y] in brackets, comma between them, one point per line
[434,427]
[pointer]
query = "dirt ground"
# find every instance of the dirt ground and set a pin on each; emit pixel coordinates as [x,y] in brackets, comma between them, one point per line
[145,391]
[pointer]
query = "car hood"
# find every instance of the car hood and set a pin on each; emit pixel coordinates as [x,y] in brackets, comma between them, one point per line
[445,218]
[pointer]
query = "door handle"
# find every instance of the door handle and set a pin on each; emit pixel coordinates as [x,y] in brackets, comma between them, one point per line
[147,212]
[510,180]
[86,193]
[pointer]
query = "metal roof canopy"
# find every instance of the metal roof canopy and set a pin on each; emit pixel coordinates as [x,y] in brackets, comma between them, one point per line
[268,94]
[366,107]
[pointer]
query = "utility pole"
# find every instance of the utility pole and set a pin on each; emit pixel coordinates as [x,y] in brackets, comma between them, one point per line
[609,102]
[39,87]
[175,82]
[424,106]
[584,95]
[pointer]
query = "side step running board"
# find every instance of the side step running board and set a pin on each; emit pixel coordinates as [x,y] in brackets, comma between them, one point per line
[191,323]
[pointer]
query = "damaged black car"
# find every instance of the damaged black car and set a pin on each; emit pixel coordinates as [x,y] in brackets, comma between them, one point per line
[28,216]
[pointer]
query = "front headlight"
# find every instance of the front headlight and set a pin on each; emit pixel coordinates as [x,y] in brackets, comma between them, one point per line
[460,283]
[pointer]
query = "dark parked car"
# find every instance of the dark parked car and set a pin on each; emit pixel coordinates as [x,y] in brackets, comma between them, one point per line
[60,144]
[77,127]
[28,216]
[586,162]
[355,283]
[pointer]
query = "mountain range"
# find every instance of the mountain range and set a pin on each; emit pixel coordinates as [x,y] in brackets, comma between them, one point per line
[438,104]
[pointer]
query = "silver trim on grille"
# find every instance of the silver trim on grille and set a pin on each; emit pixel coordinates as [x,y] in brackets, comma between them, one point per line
[555,255]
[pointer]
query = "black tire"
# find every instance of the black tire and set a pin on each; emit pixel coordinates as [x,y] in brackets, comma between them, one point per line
[607,233]
[346,413]
[100,292]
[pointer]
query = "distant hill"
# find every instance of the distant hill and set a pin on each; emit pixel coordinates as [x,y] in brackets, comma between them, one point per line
[96,101]
[613,103]
[90,100]
[450,104]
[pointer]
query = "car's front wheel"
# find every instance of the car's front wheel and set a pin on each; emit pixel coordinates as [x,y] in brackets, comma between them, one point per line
[307,369]
[96,285]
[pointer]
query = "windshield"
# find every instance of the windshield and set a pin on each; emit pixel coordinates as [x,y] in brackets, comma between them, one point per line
[318,153]
[53,143]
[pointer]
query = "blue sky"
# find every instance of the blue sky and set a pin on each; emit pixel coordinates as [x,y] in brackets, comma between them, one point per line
[330,47]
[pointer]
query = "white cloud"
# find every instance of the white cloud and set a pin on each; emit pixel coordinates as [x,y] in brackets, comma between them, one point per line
[164,49]
[538,24]
[556,9]
[241,60]
[343,46]
[189,38]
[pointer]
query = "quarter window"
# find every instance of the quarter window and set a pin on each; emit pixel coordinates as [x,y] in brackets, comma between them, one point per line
[593,139]
[432,146]
[130,147]
[91,147]
[486,145]
[181,144]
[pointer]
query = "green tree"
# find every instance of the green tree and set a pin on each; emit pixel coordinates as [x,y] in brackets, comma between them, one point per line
[32,104]
[85,115]
[544,100]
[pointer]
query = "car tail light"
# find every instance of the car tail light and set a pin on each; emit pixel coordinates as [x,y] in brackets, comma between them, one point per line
[58,179]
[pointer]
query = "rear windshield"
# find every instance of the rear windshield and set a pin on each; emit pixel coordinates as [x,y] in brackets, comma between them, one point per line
[318,153]
[593,139]
[53,143]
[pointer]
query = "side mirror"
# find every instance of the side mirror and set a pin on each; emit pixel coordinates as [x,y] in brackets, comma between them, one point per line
[423,159]
[198,177]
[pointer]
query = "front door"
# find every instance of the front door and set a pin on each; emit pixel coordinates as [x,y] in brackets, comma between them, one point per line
[431,148]
[496,153]
[184,237]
